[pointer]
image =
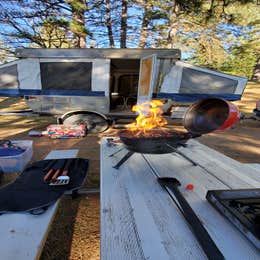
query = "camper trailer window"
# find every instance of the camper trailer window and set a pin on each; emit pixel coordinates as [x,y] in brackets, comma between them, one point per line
[194,81]
[66,75]
[8,77]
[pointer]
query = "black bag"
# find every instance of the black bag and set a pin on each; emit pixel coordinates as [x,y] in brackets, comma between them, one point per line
[29,192]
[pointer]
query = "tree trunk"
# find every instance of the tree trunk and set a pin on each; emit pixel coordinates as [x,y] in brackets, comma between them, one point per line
[123,24]
[145,23]
[256,75]
[109,24]
[78,24]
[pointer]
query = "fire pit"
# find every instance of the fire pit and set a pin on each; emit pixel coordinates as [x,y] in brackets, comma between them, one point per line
[155,141]
[149,135]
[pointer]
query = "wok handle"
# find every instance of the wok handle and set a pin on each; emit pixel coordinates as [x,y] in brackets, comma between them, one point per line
[202,235]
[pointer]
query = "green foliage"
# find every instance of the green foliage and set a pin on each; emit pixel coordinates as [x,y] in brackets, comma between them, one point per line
[2,56]
[54,33]
[242,62]
[77,5]
[79,29]
[219,34]
[5,53]
[43,23]
[222,35]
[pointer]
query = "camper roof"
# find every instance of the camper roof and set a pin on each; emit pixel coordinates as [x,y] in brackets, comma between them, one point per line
[98,53]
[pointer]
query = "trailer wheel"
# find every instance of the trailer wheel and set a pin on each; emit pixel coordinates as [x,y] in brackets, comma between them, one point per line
[95,122]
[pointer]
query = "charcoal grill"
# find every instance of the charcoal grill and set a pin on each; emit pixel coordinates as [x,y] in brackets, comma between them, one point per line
[156,141]
[202,117]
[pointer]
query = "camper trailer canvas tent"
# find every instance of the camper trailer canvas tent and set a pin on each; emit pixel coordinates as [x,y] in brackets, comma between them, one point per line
[61,80]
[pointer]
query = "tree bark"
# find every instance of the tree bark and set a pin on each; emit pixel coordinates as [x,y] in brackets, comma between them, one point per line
[256,74]
[109,24]
[123,24]
[145,23]
[78,27]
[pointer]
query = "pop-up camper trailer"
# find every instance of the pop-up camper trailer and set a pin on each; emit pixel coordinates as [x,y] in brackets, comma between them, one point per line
[61,80]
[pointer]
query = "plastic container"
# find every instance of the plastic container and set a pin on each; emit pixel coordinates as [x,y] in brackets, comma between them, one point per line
[16,163]
[209,115]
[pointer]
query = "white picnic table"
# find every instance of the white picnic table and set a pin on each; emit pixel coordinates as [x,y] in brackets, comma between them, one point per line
[139,219]
[22,234]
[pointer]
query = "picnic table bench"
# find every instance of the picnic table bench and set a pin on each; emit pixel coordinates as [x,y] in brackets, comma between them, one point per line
[22,234]
[139,219]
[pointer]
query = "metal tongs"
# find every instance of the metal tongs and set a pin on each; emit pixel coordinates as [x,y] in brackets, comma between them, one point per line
[58,175]
[202,235]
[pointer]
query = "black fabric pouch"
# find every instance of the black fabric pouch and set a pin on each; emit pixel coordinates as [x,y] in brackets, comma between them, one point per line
[29,192]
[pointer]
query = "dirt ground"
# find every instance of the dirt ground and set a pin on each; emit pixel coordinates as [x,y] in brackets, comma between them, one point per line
[75,233]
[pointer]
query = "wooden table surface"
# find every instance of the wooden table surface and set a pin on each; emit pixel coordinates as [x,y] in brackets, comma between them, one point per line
[22,234]
[140,221]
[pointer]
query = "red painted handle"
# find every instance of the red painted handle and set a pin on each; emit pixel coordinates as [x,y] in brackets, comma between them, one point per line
[64,173]
[56,174]
[48,175]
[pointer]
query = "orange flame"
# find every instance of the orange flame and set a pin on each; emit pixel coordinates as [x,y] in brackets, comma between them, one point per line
[149,116]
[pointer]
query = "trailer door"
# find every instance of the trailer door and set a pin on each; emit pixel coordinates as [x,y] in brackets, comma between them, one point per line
[146,78]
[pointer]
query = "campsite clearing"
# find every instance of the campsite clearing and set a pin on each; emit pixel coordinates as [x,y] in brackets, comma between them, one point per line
[75,231]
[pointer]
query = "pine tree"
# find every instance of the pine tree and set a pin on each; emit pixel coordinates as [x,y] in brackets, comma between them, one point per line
[24,21]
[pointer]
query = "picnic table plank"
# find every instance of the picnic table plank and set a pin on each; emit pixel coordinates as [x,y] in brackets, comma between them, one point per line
[23,234]
[226,163]
[133,233]
[115,210]
[232,173]
[216,225]
[255,166]
[155,218]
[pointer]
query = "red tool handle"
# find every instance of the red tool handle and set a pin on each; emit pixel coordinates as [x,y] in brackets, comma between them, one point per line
[66,167]
[56,174]
[64,173]
[48,175]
